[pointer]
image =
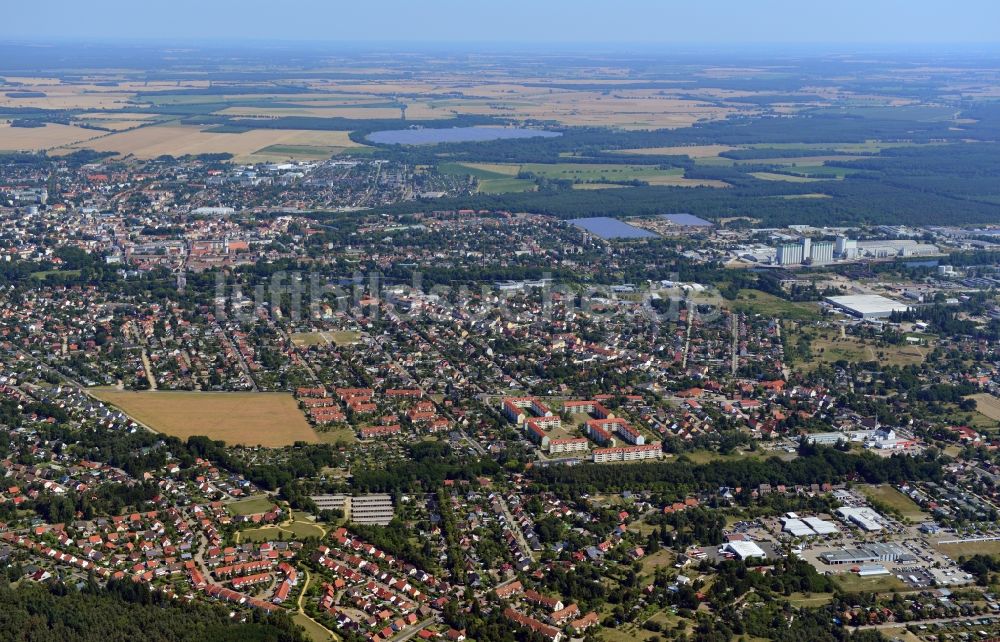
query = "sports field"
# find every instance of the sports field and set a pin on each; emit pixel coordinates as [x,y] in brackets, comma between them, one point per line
[269,419]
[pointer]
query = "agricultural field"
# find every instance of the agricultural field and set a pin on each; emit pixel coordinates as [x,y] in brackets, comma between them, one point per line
[494,176]
[270,419]
[51,136]
[789,178]
[179,140]
[691,151]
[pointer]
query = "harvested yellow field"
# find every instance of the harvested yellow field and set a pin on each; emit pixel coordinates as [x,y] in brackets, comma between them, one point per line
[694,151]
[40,138]
[68,99]
[114,124]
[270,419]
[179,140]
[131,116]
[627,109]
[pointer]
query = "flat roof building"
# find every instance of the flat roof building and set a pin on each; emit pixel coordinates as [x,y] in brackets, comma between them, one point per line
[861,516]
[867,306]
[364,509]
[744,550]
[821,527]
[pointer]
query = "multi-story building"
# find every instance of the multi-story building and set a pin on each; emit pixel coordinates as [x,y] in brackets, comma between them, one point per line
[567,445]
[513,408]
[627,453]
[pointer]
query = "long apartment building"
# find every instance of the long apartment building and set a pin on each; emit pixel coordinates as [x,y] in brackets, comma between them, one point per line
[593,408]
[616,425]
[627,453]
[568,445]
[514,408]
[596,431]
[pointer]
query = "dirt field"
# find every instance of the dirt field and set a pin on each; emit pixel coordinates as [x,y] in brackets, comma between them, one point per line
[39,138]
[178,140]
[269,419]
[337,337]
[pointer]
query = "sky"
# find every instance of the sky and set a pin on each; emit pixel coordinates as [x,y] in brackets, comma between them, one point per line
[556,22]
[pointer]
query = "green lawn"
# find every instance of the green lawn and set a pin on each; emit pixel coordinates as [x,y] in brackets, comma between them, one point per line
[812,600]
[314,631]
[852,583]
[251,505]
[298,530]
[41,276]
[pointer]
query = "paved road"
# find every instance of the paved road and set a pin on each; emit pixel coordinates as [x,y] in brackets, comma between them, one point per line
[408,633]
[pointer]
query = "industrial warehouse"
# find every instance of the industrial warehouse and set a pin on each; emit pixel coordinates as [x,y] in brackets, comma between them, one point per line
[867,306]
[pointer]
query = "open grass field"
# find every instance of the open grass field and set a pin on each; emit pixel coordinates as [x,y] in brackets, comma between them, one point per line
[269,419]
[757,302]
[792,197]
[827,346]
[969,549]
[298,528]
[590,175]
[179,140]
[852,583]
[313,630]
[811,600]
[987,405]
[788,178]
[692,151]
[337,435]
[251,505]
[897,500]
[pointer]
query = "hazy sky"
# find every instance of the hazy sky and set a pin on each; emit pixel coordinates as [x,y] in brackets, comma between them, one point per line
[516,21]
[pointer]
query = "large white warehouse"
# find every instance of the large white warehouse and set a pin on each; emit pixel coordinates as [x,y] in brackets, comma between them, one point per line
[867,306]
